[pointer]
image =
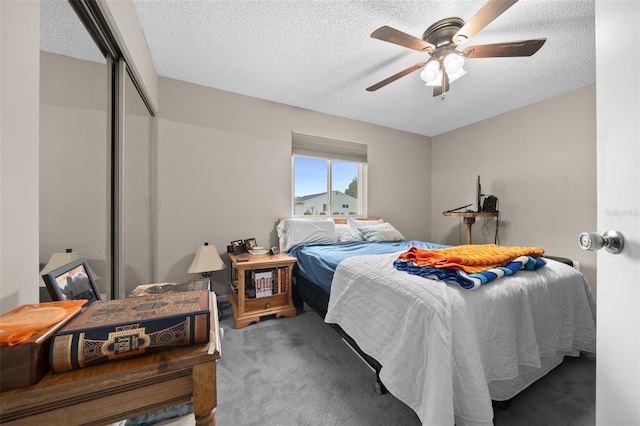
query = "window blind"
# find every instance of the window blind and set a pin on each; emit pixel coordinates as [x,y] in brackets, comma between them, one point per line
[329,148]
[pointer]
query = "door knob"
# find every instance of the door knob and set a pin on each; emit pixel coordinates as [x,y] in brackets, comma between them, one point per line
[612,241]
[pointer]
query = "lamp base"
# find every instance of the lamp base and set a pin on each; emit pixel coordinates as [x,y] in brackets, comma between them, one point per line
[206,277]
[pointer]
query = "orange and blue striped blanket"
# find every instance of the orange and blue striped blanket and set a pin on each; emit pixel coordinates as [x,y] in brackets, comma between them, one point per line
[469,265]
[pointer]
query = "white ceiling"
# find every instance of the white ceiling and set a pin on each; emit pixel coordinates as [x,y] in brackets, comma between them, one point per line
[319,55]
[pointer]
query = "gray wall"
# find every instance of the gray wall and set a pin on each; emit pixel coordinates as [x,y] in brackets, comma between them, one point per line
[224,171]
[19,115]
[540,161]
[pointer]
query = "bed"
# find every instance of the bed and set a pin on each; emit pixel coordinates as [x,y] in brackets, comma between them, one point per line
[445,351]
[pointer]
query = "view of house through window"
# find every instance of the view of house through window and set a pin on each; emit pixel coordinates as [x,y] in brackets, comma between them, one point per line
[326,187]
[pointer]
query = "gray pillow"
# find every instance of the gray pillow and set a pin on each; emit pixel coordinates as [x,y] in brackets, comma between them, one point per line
[355,223]
[380,232]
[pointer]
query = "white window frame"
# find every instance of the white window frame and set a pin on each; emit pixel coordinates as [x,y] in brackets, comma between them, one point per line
[329,149]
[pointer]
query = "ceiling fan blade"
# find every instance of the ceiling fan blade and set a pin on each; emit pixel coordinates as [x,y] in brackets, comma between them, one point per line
[396,76]
[483,17]
[394,36]
[501,50]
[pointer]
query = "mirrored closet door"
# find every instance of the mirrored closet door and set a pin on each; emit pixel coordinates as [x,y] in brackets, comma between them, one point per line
[138,189]
[75,170]
[96,152]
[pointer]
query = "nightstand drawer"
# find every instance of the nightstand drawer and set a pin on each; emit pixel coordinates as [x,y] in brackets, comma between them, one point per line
[265,303]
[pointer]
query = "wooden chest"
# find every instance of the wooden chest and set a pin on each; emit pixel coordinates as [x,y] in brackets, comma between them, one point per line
[26,363]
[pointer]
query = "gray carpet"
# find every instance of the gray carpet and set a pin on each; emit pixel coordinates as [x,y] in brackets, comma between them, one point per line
[298,371]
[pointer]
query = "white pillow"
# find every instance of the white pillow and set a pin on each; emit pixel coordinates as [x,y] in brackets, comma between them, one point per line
[298,231]
[343,233]
[355,223]
[381,232]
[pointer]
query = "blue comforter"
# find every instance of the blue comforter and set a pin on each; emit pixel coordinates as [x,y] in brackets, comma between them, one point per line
[318,262]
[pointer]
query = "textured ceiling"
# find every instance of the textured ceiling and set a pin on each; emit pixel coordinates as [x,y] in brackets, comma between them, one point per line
[319,55]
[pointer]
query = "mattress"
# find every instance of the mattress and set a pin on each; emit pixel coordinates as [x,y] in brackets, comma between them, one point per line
[318,262]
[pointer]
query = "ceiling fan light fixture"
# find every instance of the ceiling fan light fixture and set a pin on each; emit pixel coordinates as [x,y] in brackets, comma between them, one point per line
[453,63]
[437,81]
[453,77]
[431,72]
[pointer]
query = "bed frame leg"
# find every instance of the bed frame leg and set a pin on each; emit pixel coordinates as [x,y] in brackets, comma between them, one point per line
[379,387]
[501,405]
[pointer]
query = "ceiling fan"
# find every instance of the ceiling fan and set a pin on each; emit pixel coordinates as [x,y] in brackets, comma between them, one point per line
[441,39]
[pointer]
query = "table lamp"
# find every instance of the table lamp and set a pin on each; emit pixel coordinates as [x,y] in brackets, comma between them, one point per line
[205,261]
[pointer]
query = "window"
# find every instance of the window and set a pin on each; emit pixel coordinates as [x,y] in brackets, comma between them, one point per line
[329,176]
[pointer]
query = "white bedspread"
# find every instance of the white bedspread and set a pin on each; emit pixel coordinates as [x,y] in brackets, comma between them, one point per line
[446,351]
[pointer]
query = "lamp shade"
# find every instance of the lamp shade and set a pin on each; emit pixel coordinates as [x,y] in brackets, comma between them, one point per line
[206,259]
[59,259]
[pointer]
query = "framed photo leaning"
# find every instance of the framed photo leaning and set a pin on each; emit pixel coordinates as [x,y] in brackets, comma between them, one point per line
[72,281]
[238,247]
[250,244]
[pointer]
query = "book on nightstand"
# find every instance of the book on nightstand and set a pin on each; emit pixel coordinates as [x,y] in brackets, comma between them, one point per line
[116,329]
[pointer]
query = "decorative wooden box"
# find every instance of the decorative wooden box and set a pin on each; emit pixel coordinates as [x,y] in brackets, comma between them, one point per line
[27,362]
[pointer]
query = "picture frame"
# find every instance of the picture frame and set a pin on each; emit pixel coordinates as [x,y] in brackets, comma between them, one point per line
[250,244]
[238,247]
[72,281]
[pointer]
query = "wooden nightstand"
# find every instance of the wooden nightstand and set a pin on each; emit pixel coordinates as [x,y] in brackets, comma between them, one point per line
[261,286]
